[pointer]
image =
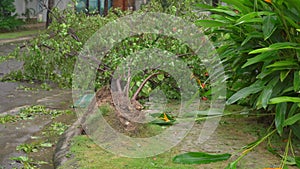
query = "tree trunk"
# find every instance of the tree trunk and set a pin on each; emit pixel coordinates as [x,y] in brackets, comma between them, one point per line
[87,6]
[50,7]
[105,7]
[99,6]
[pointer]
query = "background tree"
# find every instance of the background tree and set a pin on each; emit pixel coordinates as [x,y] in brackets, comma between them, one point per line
[49,8]
[7,20]
[105,7]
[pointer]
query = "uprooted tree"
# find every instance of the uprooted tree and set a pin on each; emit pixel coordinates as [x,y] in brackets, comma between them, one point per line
[51,56]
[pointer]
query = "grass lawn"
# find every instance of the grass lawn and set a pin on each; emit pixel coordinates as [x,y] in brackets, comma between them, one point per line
[228,138]
[18,34]
[89,156]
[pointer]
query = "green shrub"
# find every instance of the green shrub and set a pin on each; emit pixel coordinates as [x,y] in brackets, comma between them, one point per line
[259,44]
[8,21]
[262,51]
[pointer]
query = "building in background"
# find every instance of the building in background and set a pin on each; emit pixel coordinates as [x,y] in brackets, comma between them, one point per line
[37,9]
[93,6]
[102,6]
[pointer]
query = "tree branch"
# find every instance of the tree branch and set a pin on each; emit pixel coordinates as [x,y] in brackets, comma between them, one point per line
[118,83]
[61,19]
[127,86]
[50,48]
[142,85]
[186,54]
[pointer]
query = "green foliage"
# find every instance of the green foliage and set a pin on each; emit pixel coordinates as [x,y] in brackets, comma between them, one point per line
[7,20]
[33,147]
[27,162]
[164,81]
[7,118]
[261,51]
[56,128]
[5,58]
[260,46]
[31,112]
[51,56]
[200,158]
[28,148]
[163,119]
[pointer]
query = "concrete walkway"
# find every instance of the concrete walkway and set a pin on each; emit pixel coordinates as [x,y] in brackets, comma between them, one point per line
[37,26]
[9,45]
[9,65]
[15,40]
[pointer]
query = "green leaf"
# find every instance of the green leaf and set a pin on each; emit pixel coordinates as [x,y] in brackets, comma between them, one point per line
[252,35]
[297,160]
[283,75]
[204,6]
[239,5]
[160,77]
[162,122]
[209,23]
[280,117]
[259,20]
[288,160]
[285,63]
[293,110]
[228,12]
[221,18]
[250,144]
[282,99]
[46,145]
[287,90]
[249,16]
[252,17]
[232,165]
[254,88]
[259,58]
[296,130]
[159,119]
[264,74]
[296,81]
[292,22]
[146,89]
[291,120]
[21,158]
[267,92]
[296,4]
[277,46]
[269,26]
[200,158]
